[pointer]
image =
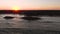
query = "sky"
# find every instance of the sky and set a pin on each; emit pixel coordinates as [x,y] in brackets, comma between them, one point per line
[29,4]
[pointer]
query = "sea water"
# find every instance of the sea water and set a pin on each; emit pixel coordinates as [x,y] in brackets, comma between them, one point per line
[46,22]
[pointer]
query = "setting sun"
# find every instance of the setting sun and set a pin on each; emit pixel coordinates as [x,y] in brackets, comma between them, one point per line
[15,8]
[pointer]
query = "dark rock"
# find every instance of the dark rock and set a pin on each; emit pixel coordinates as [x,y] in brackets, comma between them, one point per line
[31,18]
[8,17]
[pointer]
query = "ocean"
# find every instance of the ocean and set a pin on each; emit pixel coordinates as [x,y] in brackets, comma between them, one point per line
[17,22]
[47,23]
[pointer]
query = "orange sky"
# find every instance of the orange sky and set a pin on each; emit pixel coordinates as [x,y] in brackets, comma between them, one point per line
[29,4]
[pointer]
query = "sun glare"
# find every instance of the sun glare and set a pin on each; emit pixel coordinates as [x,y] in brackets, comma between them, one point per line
[15,8]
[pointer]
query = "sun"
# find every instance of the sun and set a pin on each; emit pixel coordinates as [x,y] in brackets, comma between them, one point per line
[15,8]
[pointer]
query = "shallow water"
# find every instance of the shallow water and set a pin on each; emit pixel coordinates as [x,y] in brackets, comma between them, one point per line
[52,24]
